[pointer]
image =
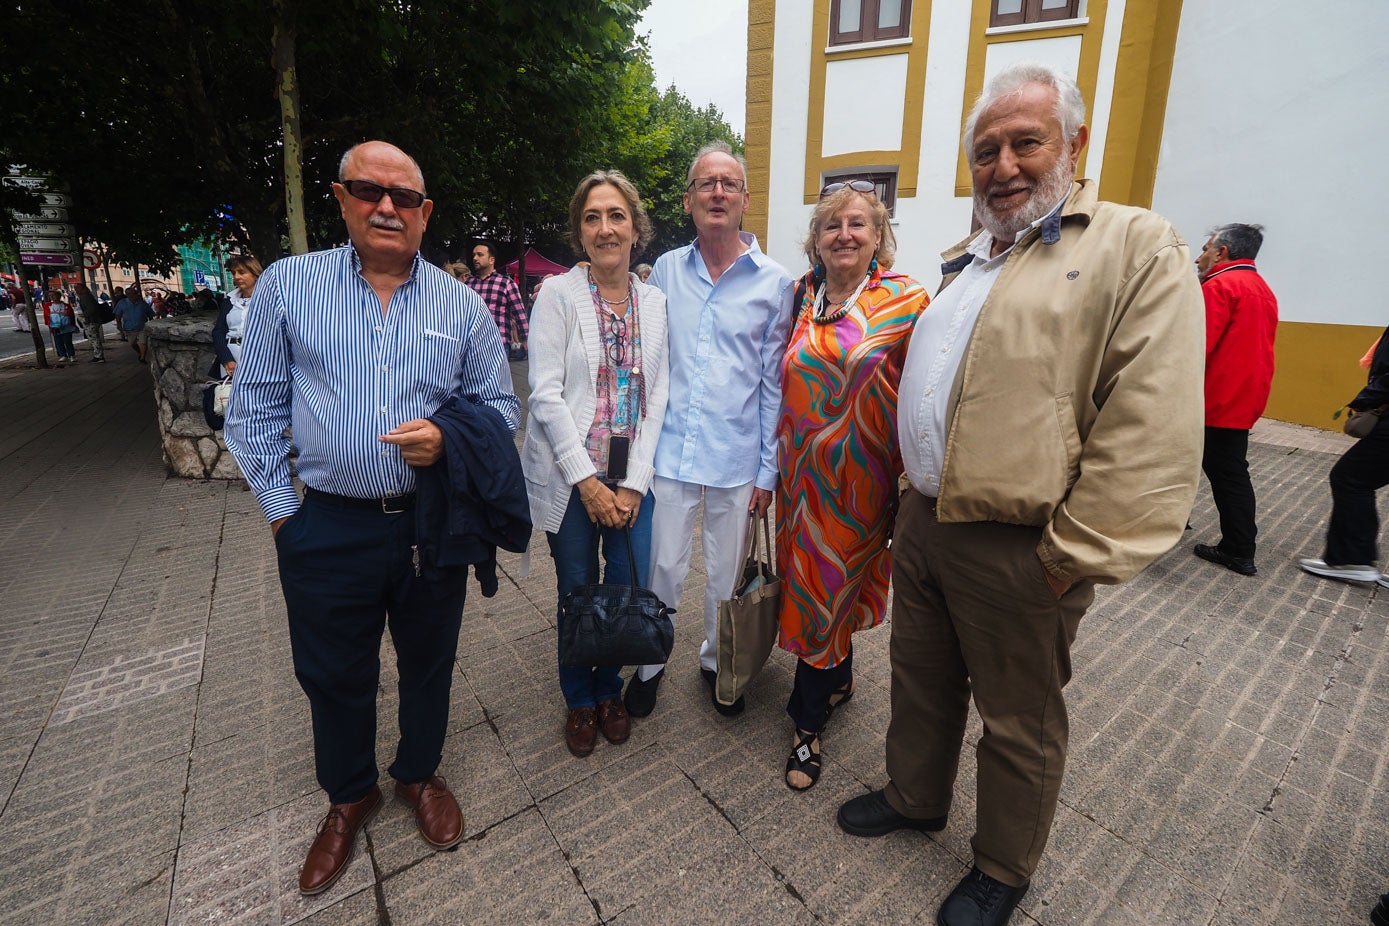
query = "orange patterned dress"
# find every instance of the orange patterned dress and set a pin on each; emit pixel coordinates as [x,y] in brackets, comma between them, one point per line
[839,462]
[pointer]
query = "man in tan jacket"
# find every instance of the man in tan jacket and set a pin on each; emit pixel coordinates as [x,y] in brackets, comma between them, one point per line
[1050,417]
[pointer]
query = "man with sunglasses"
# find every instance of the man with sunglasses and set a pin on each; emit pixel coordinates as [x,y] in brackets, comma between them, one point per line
[1050,420]
[728,306]
[354,348]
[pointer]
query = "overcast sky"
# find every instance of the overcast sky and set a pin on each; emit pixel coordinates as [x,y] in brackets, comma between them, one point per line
[702,48]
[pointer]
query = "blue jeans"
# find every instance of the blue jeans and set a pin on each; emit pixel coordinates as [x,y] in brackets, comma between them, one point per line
[62,344]
[575,550]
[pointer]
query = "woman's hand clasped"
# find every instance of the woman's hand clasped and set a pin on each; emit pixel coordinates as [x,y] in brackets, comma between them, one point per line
[604,506]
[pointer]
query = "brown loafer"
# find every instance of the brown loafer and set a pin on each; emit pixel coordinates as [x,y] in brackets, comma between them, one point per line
[614,721]
[436,812]
[332,847]
[580,730]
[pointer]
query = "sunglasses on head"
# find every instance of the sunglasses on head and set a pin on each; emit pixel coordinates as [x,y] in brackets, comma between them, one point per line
[858,186]
[369,192]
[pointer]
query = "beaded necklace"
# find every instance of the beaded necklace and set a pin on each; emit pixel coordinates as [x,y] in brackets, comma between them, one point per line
[817,311]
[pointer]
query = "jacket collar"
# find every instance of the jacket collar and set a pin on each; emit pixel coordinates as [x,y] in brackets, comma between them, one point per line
[1080,205]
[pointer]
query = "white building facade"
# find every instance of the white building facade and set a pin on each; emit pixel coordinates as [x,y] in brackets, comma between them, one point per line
[1208,111]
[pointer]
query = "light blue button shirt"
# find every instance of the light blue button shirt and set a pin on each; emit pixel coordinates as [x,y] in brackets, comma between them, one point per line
[726,342]
[318,353]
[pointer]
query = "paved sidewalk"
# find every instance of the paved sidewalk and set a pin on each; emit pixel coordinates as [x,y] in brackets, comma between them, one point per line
[1228,762]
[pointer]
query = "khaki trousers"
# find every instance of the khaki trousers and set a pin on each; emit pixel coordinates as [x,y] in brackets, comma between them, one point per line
[971,606]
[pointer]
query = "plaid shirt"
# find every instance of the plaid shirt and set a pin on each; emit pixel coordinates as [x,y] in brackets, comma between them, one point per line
[504,300]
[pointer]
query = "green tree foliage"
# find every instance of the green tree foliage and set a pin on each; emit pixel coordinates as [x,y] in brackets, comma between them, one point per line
[159,113]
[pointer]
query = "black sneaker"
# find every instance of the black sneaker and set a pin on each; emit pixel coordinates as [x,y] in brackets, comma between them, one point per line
[979,900]
[1380,914]
[1210,554]
[641,696]
[871,815]
[711,678]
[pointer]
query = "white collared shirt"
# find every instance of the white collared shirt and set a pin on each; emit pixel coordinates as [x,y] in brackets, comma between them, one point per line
[937,348]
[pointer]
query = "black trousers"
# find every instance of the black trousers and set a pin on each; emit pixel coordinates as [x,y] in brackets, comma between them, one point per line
[347,573]
[1352,538]
[1225,463]
[809,705]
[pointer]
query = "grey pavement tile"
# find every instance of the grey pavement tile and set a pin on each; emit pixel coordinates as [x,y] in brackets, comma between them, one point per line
[517,874]
[359,909]
[245,775]
[250,870]
[136,892]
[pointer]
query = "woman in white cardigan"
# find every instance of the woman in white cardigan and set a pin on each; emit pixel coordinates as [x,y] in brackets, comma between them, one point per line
[598,378]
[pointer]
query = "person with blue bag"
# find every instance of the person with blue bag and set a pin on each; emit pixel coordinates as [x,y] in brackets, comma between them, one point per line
[598,378]
[58,315]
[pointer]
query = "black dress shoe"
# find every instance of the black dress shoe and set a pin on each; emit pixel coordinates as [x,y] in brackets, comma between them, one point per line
[711,679]
[1380,914]
[871,815]
[979,900]
[1210,554]
[641,696]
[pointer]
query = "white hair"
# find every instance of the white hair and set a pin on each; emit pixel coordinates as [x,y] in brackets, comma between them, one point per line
[716,147]
[1070,105]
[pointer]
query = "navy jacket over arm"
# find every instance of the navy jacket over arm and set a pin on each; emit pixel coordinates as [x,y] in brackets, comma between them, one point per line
[473,499]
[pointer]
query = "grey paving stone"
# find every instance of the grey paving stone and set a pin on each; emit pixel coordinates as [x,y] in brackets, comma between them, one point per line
[517,874]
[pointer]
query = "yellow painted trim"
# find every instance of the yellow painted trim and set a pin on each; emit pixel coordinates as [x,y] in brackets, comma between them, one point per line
[1087,69]
[908,159]
[1142,78]
[757,130]
[1318,371]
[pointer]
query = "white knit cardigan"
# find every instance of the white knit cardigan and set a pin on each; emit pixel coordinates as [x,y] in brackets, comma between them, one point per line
[564,356]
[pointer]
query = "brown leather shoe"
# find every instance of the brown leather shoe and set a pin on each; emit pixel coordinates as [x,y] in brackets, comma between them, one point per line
[580,730]
[332,847]
[436,811]
[614,721]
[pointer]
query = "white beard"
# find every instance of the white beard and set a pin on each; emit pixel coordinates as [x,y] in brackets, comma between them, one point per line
[1046,193]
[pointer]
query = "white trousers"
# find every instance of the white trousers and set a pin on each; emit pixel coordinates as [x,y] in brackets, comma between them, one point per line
[672,541]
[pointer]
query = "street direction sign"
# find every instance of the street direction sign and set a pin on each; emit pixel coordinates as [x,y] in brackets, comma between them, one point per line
[56,199]
[45,214]
[57,260]
[28,183]
[45,230]
[63,245]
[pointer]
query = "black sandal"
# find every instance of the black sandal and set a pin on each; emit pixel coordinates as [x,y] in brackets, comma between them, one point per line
[803,759]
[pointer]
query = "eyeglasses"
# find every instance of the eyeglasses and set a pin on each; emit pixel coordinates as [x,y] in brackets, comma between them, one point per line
[706,185]
[616,346]
[858,186]
[369,192]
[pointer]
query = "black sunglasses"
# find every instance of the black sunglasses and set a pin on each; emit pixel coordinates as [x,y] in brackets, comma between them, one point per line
[858,186]
[369,192]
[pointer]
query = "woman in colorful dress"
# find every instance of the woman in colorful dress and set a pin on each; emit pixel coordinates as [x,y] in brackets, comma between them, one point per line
[598,377]
[838,453]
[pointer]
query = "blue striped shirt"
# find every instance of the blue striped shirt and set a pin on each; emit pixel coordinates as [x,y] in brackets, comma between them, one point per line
[319,354]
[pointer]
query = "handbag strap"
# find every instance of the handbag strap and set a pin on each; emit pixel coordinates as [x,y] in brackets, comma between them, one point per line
[753,558]
[631,559]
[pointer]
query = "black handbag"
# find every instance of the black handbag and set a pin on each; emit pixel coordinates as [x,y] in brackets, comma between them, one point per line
[615,625]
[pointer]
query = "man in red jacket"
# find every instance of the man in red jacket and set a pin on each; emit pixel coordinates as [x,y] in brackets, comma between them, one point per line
[1241,321]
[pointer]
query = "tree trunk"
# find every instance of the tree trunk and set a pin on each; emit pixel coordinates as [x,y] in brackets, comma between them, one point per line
[40,348]
[287,89]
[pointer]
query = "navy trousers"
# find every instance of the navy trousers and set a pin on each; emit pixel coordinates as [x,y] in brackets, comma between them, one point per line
[347,573]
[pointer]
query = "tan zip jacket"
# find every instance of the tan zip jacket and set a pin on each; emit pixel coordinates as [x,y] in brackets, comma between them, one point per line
[1078,404]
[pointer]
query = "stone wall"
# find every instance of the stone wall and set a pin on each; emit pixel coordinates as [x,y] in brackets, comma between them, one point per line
[180,356]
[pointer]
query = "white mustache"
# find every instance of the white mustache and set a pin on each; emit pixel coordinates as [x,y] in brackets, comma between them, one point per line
[386,222]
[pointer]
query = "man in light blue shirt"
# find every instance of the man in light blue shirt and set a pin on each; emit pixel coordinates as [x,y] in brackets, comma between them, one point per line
[728,308]
[355,348]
